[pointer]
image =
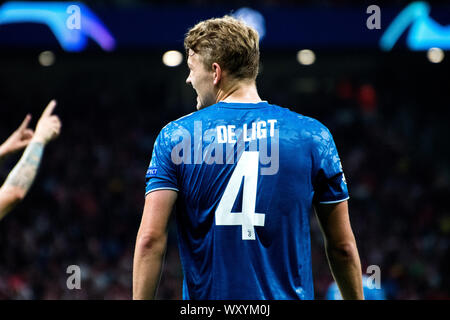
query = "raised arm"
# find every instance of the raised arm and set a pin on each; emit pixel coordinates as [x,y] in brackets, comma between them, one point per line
[341,249]
[22,176]
[151,243]
[18,140]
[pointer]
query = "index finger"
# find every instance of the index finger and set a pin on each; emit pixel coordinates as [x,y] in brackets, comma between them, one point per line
[25,122]
[49,109]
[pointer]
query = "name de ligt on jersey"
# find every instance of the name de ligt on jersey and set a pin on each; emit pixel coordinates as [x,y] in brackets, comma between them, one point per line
[224,144]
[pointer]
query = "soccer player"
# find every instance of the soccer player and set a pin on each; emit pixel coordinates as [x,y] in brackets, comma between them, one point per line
[19,180]
[245,175]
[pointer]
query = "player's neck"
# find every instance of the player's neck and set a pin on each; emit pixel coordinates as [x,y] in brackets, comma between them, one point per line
[242,92]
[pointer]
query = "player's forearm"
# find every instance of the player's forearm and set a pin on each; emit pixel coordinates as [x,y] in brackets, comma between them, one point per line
[346,268]
[20,178]
[147,266]
[24,173]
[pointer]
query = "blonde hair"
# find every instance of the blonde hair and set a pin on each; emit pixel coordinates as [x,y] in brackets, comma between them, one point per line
[227,41]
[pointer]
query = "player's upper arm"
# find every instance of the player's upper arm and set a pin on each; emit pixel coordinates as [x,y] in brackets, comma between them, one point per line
[155,218]
[335,223]
[162,170]
[328,178]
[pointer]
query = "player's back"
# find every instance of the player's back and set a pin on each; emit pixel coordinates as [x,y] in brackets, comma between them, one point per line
[246,175]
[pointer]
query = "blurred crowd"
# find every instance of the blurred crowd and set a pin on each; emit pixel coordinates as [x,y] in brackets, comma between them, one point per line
[85,206]
[398,206]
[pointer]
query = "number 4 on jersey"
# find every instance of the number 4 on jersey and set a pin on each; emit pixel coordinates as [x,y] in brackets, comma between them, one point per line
[247,168]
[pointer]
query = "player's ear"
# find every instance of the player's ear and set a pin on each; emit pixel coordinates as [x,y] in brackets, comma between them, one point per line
[217,73]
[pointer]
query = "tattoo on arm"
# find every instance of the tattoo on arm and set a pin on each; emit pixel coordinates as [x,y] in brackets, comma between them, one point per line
[23,174]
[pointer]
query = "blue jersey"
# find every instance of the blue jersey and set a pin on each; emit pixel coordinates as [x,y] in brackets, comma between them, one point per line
[247,175]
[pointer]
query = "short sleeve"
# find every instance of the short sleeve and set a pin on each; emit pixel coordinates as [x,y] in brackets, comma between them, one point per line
[329,182]
[162,172]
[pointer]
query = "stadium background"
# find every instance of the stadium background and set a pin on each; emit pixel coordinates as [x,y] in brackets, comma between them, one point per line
[388,112]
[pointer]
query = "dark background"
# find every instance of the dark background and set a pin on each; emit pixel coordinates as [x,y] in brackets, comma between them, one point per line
[388,113]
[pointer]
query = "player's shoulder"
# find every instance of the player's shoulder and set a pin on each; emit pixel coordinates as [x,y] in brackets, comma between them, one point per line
[177,123]
[180,128]
[307,126]
[188,120]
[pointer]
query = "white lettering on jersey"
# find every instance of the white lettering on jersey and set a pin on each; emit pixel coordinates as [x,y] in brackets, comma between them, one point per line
[258,130]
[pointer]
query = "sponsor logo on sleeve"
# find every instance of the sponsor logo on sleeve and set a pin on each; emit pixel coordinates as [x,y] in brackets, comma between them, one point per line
[152,172]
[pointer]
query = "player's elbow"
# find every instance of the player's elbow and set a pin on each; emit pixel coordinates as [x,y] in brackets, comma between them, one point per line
[10,197]
[19,195]
[151,241]
[345,250]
